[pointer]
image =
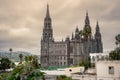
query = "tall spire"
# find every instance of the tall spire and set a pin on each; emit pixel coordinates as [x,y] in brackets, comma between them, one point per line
[47,30]
[87,27]
[77,30]
[72,36]
[86,13]
[97,27]
[87,22]
[99,45]
[97,33]
[47,12]
[77,33]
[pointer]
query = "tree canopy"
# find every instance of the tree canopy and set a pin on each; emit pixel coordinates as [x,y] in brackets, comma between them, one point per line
[117,37]
[5,63]
[115,54]
[29,70]
[63,77]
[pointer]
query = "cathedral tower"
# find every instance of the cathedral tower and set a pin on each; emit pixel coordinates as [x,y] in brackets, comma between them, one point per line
[87,27]
[47,30]
[47,39]
[99,45]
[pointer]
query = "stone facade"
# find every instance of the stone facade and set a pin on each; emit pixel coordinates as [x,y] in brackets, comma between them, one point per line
[72,50]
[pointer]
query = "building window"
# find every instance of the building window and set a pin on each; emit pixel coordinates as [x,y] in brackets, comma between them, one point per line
[61,57]
[60,63]
[71,61]
[64,58]
[111,70]
[64,63]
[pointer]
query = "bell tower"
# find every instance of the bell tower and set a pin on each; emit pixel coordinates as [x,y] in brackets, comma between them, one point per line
[47,30]
[47,39]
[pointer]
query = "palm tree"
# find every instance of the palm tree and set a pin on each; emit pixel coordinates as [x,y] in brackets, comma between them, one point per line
[20,56]
[10,52]
[10,56]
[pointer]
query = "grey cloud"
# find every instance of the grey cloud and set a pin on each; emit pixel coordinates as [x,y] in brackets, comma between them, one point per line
[66,15]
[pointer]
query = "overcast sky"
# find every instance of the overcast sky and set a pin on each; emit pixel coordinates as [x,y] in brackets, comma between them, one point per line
[21,21]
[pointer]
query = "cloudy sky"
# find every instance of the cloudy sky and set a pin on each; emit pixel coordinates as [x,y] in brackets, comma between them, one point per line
[21,21]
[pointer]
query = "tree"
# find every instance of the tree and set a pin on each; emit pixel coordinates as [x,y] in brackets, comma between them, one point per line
[81,33]
[86,32]
[117,37]
[10,52]
[5,63]
[63,77]
[29,70]
[86,64]
[115,54]
[20,56]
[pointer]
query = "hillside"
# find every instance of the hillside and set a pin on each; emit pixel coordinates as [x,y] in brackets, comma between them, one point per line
[14,55]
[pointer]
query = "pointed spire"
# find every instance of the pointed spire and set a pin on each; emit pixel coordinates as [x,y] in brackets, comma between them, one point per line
[97,22]
[97,27]
[87,22]
[77,30]
[86,12]
[72,36]
[47,13]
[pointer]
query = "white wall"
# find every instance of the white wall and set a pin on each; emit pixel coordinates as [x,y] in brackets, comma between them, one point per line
[102,70]
[83,77]
[98,56]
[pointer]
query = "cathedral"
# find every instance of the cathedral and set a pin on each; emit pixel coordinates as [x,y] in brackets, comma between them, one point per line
[72,50]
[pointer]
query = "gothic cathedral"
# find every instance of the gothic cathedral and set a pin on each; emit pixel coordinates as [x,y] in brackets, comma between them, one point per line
[72,50]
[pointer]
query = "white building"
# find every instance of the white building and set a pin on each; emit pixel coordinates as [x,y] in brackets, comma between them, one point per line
[84,77]
[108,70]
[67,71]
[98,57]
[104,70]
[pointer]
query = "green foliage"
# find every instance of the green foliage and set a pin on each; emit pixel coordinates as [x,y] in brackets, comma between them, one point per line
[81,32]
[86,32]
[63,77]
[82,63]
[5,63]
[86,64]
[20,56]
[27,71]
[13,65]
[35,74]
[115,54]
[3,75]
[117,37]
